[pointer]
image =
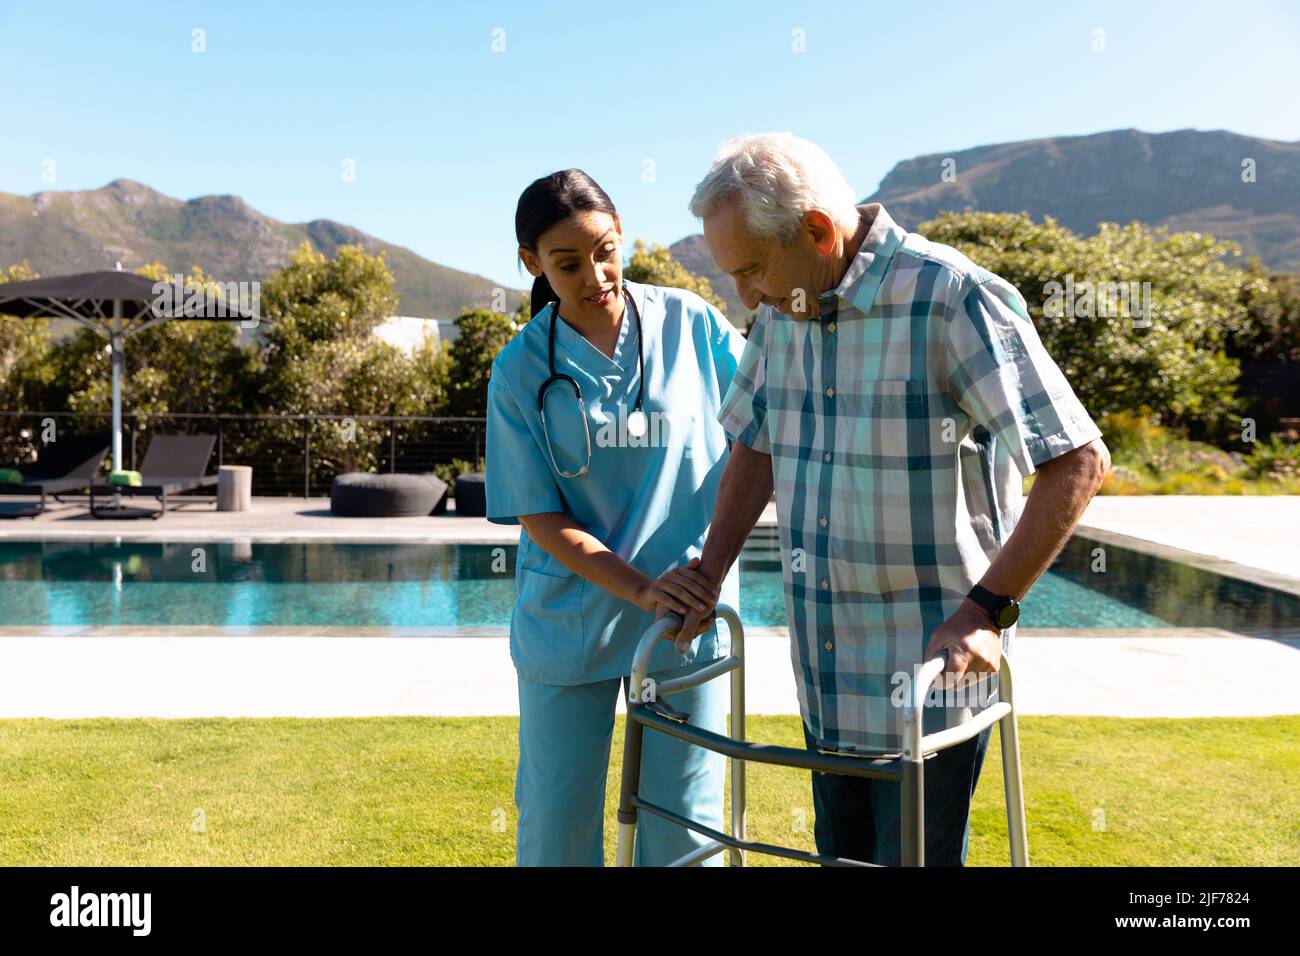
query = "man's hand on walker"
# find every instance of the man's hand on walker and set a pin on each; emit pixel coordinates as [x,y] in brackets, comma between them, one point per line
[974,645]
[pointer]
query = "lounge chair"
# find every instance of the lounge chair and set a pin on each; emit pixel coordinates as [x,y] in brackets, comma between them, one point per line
[64,466]
[172,464]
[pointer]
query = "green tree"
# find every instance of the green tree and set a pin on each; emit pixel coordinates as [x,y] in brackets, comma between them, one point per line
[1271,332]
[316,299]
[319,358]
[431,378]
[655,265]
[319,355]
[27,377]
[26,373]
[1176,365]
[481,335]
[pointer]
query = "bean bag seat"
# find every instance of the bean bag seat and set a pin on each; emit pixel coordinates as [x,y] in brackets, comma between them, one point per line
[444,493]
[363,495]
[471,495]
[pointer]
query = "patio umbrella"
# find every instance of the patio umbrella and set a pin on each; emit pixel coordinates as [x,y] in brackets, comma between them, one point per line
[118,305]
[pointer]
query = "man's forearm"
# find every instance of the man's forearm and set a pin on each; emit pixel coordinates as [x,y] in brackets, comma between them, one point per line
[743,493]
[1057,499]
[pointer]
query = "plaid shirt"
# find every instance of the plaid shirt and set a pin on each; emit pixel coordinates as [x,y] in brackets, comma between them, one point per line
[893,420]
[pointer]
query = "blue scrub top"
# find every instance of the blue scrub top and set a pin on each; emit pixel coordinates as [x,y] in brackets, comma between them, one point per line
[649,500]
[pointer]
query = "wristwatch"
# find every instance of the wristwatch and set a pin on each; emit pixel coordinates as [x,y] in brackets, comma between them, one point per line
[1003,611]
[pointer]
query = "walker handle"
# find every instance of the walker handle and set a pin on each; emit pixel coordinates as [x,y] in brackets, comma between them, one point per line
[671,622]
[925,677]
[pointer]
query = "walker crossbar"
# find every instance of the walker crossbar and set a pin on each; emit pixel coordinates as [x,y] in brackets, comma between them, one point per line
[907,767]
[750,752]
[722,841]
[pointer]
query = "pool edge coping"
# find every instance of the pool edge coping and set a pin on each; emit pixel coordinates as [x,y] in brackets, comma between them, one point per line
[1260,577]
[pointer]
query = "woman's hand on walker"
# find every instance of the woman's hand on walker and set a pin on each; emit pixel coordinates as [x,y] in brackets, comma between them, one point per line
[696,608]
[679,590]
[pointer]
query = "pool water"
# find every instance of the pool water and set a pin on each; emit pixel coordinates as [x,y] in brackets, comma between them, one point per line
[91,583]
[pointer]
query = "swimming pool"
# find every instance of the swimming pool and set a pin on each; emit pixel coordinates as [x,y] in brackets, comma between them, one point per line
[69,584]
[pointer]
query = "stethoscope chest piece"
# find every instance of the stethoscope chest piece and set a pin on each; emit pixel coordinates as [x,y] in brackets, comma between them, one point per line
[636,424]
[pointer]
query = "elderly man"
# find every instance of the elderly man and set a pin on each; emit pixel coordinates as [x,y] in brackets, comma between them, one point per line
[892,392]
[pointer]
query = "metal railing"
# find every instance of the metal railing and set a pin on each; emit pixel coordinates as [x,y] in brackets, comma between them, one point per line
[289,454]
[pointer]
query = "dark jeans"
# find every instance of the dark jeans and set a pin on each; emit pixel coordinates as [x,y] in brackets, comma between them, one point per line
[858,818]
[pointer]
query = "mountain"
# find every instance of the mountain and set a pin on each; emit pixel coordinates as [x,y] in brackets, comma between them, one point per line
[127,222]
[1188,180]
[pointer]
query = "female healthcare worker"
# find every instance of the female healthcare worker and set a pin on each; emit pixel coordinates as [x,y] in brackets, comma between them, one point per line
[603,443]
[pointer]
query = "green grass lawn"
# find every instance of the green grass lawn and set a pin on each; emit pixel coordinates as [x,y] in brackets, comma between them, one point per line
[407,791]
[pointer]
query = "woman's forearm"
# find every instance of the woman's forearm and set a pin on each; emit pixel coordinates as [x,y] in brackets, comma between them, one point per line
[584,554]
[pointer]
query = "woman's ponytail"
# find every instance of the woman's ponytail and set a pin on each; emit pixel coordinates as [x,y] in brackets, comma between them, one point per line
[542,293]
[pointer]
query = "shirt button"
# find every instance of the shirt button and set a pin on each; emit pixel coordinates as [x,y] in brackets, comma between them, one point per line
[823,520]
[828,456]
[827,645]
[830,327]
[825,584]
[830,393]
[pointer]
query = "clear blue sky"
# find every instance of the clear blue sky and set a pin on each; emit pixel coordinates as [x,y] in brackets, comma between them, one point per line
[446,133]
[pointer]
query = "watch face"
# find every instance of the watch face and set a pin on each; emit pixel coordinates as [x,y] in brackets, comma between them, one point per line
[1009,615]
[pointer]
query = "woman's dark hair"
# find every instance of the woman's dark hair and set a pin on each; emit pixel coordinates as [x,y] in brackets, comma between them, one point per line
[544,203]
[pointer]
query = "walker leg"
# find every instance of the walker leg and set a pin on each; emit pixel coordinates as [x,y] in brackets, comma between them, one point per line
[1016,829]
[629,788]
[912,815]
[738,793]
[1009,736]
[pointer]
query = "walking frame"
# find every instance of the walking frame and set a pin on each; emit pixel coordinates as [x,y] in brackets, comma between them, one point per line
[647,709]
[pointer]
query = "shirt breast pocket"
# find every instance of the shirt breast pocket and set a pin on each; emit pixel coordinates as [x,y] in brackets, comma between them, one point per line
[892,417]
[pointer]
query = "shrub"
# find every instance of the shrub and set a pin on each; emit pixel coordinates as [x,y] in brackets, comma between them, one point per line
[1173,359]
[1276,458]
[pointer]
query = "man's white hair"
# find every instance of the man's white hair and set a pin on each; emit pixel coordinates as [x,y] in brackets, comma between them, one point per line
[776,178]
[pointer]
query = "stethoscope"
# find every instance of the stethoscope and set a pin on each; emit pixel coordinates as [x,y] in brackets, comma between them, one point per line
[636,421]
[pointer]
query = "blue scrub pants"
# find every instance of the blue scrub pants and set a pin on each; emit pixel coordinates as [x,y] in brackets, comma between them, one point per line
[564,744]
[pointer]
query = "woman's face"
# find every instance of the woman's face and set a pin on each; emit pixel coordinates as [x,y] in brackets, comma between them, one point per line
[582,257]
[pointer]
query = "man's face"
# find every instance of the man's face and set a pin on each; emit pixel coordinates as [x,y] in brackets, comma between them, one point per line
[765,271]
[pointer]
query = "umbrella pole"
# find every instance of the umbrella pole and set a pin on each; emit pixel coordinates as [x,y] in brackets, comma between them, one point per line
[117,361]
